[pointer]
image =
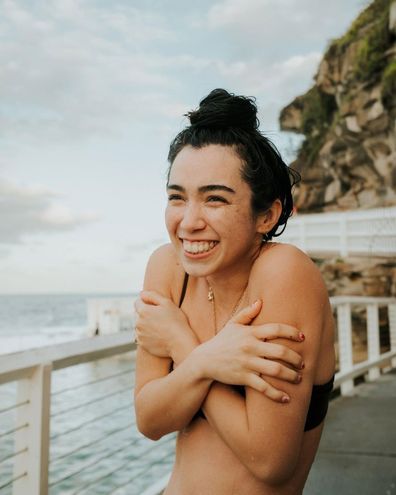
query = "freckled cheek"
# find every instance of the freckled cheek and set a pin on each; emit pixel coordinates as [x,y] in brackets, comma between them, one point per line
[171,220]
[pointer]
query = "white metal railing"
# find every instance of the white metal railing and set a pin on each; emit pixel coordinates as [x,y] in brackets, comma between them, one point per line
[32,370]
[358,233]
[343,306]
[75,467]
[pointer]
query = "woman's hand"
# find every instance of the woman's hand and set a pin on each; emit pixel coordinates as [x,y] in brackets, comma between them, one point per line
[160,324]
[240,354]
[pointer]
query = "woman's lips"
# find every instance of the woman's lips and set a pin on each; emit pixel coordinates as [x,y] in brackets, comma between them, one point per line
[198,249]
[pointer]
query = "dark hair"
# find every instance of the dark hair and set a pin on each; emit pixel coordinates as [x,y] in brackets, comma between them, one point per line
[229,120]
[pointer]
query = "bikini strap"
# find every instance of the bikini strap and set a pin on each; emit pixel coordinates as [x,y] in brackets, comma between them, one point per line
[184,289]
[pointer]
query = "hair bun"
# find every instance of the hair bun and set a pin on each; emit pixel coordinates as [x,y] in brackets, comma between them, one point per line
[222,109]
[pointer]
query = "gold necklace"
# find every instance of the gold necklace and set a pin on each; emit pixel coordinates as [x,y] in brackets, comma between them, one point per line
[211,298]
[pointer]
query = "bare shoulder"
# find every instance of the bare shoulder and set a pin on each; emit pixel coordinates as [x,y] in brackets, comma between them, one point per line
[287,279]
[286,266]
[164,272]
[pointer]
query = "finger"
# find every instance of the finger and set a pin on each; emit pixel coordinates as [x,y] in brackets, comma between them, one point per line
[270,331]
[153,297]
[257,383]
[280,352]
[274,369]
[246,315]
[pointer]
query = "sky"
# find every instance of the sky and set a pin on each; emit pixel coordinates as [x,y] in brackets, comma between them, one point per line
[92,93]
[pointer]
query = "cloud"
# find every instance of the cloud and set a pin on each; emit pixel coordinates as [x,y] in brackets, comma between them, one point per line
[259,17]
[28,210]
[74,69]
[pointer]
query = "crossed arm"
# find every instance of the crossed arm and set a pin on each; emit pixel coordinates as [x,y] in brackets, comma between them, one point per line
[250,426]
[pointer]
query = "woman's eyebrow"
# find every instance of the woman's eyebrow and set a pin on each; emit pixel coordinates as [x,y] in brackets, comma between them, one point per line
[176,187]
[215,187]
[203,189]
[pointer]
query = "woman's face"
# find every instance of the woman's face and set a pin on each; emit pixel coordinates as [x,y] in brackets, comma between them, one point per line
[209,216]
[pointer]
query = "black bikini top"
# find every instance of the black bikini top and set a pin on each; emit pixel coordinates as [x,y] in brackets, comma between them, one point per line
[320,394]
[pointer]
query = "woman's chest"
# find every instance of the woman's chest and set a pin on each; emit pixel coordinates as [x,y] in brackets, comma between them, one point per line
[201,321]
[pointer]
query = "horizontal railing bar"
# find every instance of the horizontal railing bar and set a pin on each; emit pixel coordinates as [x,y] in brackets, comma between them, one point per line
[21,364]
[361,368]
[94,482]
[10,408]
[16,478]
[362,300]
[96,399]
[85,384]
[14,454]
[93,442]
[95,461]
[92,420]
[13,430]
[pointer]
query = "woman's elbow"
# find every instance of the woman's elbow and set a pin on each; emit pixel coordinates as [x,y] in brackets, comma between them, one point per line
[271,473]
[145,424]
[147,428]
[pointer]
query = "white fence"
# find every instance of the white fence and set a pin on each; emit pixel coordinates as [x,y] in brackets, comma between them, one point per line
[32,370]
[350,233]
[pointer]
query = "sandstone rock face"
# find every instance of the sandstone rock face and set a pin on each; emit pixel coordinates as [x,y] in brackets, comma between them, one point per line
[359,276]
[348,159]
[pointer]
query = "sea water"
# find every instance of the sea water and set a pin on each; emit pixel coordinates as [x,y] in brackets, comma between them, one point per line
[29,321]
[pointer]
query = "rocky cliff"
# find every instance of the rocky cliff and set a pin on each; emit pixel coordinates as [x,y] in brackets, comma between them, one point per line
[348,159]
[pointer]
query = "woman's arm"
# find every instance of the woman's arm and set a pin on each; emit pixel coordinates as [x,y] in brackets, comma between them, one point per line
[166,402]
[266,436]
[232,357]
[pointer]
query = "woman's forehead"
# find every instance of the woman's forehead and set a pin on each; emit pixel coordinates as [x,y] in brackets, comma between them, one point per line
[210,164]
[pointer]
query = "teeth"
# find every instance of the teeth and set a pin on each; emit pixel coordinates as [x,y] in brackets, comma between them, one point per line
[198,246]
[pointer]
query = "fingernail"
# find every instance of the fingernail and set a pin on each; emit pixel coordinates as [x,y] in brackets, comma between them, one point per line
[299,378]
[256,302]
[285,399]
[302,336]
[302,365]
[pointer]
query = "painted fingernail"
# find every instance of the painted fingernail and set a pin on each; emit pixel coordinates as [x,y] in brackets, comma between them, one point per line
[285,399]
[298,378]
[256,302]
[302,365]
[301,336]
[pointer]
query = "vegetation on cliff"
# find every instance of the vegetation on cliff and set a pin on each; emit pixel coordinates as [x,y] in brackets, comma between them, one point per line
[348,118]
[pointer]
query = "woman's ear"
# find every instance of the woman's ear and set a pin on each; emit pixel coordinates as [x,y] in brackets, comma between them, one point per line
[267,220]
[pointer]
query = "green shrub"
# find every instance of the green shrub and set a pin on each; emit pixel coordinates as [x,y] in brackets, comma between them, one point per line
[388,84]
[318,109]
[370,57]
[375,11]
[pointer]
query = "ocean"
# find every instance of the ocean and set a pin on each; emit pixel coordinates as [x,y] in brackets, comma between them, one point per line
[95,448]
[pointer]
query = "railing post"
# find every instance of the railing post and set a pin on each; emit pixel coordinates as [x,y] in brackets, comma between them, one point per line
[36,413]
[373,340]
[392,330]
[345,344]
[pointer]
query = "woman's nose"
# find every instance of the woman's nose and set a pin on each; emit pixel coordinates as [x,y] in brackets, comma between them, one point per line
[192,218]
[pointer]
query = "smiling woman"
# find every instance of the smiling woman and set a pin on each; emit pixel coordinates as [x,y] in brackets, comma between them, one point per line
[228,319]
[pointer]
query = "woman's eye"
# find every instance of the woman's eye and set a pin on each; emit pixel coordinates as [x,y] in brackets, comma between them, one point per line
[216,199]
[174,197]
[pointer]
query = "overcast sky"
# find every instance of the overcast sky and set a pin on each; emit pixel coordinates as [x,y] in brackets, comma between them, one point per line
[91,94]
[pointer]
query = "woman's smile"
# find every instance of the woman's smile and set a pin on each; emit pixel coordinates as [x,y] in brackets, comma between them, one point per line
[198,249]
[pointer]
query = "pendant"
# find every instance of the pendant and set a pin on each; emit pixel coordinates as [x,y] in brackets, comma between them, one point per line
[210,294]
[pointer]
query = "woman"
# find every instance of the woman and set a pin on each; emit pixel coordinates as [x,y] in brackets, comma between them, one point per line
[208,365]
